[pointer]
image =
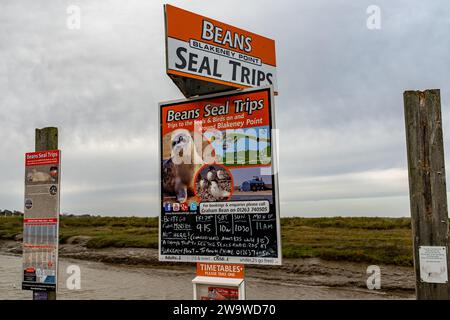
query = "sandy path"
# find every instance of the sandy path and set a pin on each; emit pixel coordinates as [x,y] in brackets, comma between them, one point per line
[148,279]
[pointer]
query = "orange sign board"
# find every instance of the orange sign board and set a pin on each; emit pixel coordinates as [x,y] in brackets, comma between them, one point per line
[204,49]
[220,270]
[212,112]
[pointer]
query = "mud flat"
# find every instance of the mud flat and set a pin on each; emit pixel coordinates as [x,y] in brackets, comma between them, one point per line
[128,273]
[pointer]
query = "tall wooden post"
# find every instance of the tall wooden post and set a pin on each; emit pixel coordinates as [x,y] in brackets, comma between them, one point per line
[427,183]
[46,139]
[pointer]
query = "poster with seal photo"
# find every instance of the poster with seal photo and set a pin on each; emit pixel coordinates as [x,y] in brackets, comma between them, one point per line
[219,196]
[41,218]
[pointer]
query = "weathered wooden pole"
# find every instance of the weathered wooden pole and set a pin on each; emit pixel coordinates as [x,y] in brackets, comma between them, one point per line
[427,183]
[46,139]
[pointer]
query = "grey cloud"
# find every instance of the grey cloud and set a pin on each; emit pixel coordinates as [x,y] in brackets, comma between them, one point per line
[340,108]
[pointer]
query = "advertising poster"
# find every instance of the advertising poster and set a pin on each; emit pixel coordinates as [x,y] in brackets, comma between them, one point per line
[40,223]
[206,56]
[219,197]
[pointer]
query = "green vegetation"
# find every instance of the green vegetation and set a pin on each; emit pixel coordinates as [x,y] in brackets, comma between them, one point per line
[10,227]
[369,240]
[243,157]
[112,231]
[105,231]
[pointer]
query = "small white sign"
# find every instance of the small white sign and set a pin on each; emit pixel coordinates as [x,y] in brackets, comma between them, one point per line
[433,264]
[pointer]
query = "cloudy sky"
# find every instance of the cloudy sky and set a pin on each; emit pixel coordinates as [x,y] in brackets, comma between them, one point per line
[340,108]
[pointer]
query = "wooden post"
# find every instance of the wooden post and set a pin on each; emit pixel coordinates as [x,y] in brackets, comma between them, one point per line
[427,183]
[46,139]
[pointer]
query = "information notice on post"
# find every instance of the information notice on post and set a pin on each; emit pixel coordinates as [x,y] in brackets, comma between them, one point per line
[41,218]
[433,264]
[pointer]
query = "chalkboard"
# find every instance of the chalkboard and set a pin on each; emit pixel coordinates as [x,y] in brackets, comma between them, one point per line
[247,237]
[224,210]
